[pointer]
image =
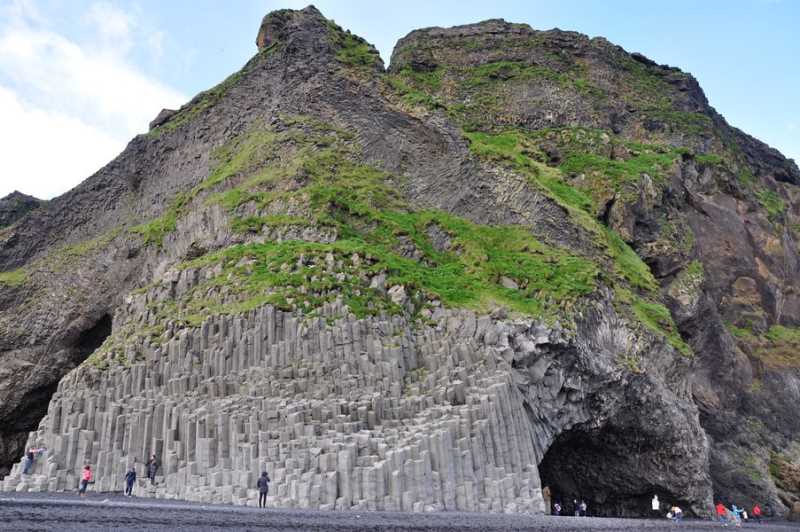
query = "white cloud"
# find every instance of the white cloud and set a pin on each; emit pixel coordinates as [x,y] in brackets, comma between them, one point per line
[112,25]
[155,41]
[74,104]
[47,153]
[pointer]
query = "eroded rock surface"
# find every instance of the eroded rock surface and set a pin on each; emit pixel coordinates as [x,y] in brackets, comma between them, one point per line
[515,258]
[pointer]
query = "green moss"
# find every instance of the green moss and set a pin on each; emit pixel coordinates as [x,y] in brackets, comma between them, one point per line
[490,74]
[512,147]
[468,276]
[254,224]
[587,179]
[362,205]
[16,277]
[629,264]
[695,271]
[708,159]
[154,231]
[352,49]
[771,202]
[746,177]
[417,88]
[682,121]
[616,173]
[643,87]
[246,158]
[658,319]
[777,348]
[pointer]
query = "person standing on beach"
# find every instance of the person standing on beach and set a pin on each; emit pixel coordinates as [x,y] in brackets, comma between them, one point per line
[130,479]
[655,507]
[757,512]
[152,469]
[263,489]
[86,479]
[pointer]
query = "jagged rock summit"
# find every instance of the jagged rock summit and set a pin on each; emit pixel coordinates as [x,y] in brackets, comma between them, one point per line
[515,259]
[15,206]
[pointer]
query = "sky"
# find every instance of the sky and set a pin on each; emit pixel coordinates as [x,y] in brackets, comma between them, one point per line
[80,78]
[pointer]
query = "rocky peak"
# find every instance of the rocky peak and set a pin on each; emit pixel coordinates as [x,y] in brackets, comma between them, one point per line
[284,24]
[308,35]
[15,206]
[552,54]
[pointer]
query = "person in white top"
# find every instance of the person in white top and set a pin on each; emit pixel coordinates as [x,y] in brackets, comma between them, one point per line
[656,506]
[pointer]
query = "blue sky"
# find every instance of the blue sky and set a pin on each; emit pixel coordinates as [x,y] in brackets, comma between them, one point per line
[79,78]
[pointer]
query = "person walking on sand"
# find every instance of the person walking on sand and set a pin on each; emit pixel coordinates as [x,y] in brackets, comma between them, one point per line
[263,489]
[152,469]
[737,512]
[130,479]
[722,513]
[756,513]
[86,479]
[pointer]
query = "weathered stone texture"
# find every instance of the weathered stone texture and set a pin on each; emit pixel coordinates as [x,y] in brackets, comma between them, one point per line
[344,413]
[360,414]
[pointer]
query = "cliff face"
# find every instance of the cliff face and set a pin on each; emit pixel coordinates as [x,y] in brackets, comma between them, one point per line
[515,259]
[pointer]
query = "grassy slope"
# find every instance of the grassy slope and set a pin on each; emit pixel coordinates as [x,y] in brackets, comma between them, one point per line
[360,204]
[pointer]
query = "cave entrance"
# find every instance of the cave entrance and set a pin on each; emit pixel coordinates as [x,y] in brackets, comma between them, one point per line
[32,407]
[92,338]
[598,467]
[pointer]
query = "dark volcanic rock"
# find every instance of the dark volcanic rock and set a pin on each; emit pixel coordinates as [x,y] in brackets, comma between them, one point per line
[15,206]
[162,117]
[675,374]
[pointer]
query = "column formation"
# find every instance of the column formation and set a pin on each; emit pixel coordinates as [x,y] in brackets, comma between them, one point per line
[368,414]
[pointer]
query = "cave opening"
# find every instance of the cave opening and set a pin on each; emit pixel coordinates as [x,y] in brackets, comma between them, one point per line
[92,338]
[32,407]
[598,467]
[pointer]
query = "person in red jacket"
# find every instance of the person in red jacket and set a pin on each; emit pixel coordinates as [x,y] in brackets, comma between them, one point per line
[86,478]
[757,512]
[722,513]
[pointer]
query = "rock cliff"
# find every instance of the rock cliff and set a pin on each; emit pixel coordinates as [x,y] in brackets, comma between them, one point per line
[516,258]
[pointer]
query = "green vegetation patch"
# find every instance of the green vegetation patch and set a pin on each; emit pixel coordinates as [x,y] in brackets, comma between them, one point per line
[517,150]
[657,317]
[315,169]
[471,93]
[771,202]
[708,159]
[154,231]
[352,49]
[587,176]
[418,88]
[777,348]
[14,278]
[299,274]
[683,121]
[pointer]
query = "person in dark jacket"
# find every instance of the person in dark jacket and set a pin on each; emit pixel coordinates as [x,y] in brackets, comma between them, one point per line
[130,479]
[152,469]
[30,457]
[263,489]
